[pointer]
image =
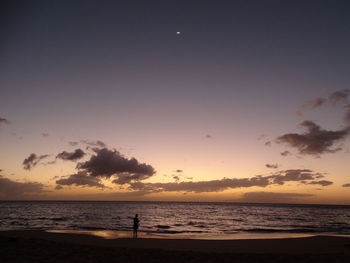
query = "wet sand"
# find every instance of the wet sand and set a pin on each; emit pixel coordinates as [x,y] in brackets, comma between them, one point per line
[41,246]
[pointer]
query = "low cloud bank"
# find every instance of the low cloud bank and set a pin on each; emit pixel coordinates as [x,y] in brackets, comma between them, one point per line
[13,189]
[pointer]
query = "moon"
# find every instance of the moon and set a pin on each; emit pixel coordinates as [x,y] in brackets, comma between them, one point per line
[178,33]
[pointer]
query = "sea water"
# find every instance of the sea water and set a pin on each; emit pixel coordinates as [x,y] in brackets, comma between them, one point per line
[177,219]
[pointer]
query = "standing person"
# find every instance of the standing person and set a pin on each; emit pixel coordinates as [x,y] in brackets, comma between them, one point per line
[136,225]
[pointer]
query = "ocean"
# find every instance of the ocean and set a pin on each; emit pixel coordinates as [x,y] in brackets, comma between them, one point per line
[178,219]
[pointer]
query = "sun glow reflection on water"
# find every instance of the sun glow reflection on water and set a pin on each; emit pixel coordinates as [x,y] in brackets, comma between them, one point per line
[112,234]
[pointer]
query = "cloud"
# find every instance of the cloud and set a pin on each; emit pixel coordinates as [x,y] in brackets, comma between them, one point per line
[58,187]
[321,182]
[80,179]
[71,156]
[293,175]
[268,143]
[346,185]
[347,114]
[285,153]
[337,96]
[272,166]
[45,134]
[97,143]
[179,171]
[208,136]
[4,121]
[107,163]
[176,178]
[278,178]
[312,104]
[202,186]
[9,188]
[94,145]
[33,160]
[261,136]
[315,141]
[272,197]
[73,143]
[332,100]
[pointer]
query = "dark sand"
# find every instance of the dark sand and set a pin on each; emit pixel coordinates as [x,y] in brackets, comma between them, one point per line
[40,246]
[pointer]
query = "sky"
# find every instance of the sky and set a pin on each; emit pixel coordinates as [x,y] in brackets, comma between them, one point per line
[225,101]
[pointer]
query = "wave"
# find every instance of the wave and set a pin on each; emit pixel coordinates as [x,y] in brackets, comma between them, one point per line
[181,232]
[163,226]
[300,230]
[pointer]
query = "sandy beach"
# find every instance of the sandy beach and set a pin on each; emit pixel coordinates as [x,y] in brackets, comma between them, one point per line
[41,246]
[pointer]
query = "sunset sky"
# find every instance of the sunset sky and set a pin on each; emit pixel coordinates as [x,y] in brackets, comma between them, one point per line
[242,101]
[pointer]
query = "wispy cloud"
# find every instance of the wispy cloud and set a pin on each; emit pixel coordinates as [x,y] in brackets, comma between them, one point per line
[285,153]
[333,100]
[312,104]
[272,166]
[4,121]
[32,160]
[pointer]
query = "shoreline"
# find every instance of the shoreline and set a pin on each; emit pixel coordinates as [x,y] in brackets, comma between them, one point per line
[41,247]
[115,234]
[317,244]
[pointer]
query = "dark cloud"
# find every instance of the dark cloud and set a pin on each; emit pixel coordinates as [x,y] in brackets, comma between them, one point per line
[80,179]
[9,188]
[176,178]
[315,141]
[278,178]
[179,171]
[58,187]
[338,96]
[272,197]
[285,153]
[321,182]
[93,145]
[33,160]
[125,178]
[45,134]
[4,121]
[272,166]
[346,185]
[71,156]
[202,186]
[208,136]
[293,175]
[107,163]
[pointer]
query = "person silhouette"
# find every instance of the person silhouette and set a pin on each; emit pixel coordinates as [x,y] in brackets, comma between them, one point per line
[136,225]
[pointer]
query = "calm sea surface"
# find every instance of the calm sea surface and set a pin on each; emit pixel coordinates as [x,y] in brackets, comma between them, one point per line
[177,219]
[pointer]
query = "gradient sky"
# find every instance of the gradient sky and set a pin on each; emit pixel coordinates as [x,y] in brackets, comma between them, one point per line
[221,99]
